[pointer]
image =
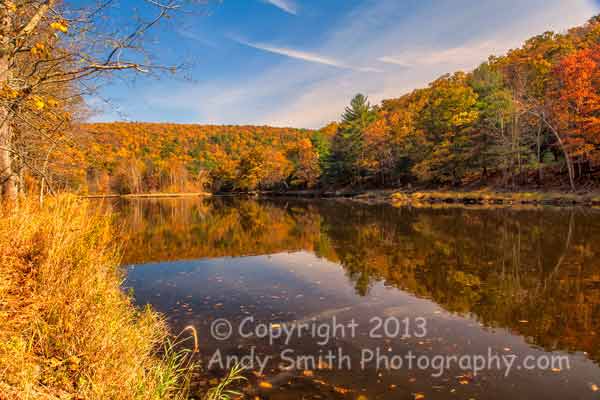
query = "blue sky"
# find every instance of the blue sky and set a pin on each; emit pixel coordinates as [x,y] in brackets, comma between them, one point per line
[298,62]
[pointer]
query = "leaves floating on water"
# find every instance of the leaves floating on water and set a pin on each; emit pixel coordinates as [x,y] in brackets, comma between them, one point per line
[341,390]
[265,385]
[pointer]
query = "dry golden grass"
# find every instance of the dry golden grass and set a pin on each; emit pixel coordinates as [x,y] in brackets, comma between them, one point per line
[66,329]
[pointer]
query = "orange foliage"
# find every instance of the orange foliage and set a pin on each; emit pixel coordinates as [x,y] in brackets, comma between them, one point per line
[578,110]
[145,157]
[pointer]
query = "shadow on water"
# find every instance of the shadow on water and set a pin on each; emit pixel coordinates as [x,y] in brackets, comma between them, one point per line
[483,277]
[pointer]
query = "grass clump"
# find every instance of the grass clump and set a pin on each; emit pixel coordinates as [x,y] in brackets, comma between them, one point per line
[67,331]
[223,390]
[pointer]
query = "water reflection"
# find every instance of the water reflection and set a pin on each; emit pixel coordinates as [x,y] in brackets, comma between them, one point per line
[533,272]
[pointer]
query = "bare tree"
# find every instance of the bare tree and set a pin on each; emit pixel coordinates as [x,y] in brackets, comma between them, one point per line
[50,56]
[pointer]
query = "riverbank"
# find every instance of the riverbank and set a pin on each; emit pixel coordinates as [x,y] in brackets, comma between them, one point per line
[416,198]
[147,195]
[66,329]
[491,198]
[428,198]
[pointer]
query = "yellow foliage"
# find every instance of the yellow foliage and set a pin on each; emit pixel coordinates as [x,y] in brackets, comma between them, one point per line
[39,103]
[60,26]
[39,48]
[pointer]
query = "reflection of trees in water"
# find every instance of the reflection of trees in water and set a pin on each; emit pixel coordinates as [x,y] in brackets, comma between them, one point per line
[161,230]
[504,266]
[535,272]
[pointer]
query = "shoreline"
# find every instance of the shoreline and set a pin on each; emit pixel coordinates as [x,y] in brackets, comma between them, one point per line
[473,198]
[146,195]
[415,198]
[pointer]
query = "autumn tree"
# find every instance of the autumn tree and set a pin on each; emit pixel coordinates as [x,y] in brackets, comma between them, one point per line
[405,143]
[578,110]
[492,145]
[305,160]
[445,122]
[51,54]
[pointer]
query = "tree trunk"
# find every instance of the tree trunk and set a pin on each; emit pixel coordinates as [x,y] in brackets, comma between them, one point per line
[540,176]
[8,189]
[568,160]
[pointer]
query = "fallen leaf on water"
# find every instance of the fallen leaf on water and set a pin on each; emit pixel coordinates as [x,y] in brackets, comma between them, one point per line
[341,390]
[265,385]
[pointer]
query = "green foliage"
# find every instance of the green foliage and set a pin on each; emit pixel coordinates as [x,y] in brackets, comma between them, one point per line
[322,145]
[348,144]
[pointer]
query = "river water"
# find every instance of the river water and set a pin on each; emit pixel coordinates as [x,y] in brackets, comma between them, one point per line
[340,300]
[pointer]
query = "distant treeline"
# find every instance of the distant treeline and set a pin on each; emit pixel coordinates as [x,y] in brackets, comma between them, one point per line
[531,117]
[143,157]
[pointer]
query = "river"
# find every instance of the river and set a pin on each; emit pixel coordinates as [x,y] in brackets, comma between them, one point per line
[340,300]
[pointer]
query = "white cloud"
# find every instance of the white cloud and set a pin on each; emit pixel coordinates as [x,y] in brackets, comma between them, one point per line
[438,38]
[286,5]
[469,53]
[306,56]
[395,60]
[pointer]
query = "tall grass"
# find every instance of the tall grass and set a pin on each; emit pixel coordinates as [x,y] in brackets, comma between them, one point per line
[223,390]
[66,328]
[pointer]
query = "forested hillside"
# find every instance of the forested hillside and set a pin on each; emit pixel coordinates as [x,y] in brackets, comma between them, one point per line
[528,118]
[143,157]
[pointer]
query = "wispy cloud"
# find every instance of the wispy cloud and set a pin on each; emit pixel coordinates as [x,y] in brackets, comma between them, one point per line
[286,5]
[422,52]
[188,34]
[395,60]
[414,43]
[464,54]
[306,56]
